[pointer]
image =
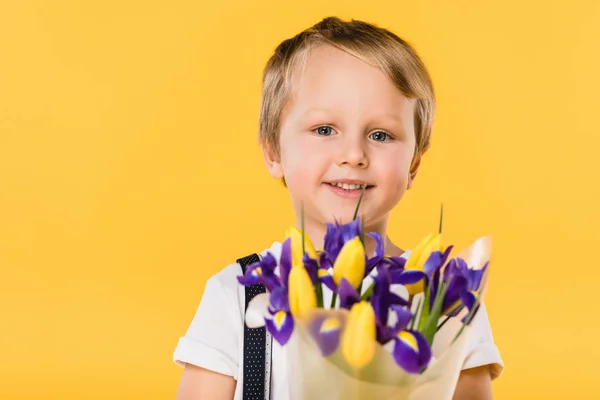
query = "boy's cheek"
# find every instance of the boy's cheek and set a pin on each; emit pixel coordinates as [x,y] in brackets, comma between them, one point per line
[299,175]
[300,157]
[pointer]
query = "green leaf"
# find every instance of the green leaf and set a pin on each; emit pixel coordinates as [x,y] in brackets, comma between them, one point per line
[416,315]
[436,312]
[441,217]
[425,312]
[319,291]
[368,293]
[467,320]
[362,232]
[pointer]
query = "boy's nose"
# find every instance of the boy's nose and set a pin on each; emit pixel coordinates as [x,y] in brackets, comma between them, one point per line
[353,153]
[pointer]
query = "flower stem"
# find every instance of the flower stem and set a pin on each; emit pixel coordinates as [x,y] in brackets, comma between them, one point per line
[417,315]
[333,299]
[467,320]
[368,293]
[441,217]
[430,327]
[424,311]
[472,311]
[319,290]
[359,201]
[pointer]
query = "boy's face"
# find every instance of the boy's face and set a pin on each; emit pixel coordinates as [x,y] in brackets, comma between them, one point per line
[346,124]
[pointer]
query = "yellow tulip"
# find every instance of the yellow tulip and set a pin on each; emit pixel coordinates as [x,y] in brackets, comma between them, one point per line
[358,339]
[301,293]
[295,235]
[419,257]
[350,263]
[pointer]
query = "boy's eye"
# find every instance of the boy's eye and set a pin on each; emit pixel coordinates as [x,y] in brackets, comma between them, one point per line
[324,130]
[380,136]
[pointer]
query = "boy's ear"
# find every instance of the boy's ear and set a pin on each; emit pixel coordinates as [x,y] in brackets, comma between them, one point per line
[273,162]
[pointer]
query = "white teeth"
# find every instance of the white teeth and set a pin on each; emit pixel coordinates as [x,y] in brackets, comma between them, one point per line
[347,186]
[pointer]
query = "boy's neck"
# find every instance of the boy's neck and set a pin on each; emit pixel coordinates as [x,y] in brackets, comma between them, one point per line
[316,233]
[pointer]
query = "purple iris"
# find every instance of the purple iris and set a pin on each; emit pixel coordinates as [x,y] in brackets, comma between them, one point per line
[382,300]
[348,294]
[285,261]
[261,272]
[399,275]
[402,276]
[312,267]
[464,284]
[336,237]
[411,350]
[432,268]
[326,329]
[379,256]
[281,323]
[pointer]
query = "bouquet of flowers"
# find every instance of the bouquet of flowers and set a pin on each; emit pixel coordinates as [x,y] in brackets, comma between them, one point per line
[358,326]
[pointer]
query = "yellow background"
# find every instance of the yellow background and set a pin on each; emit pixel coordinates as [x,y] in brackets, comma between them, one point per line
[130,172]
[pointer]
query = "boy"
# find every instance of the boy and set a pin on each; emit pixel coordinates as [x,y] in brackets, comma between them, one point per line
[345,104]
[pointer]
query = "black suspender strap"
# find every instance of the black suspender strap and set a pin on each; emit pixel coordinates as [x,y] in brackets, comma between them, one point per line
[257,346]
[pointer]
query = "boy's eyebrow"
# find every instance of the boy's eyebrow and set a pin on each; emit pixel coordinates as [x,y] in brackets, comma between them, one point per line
[393,116]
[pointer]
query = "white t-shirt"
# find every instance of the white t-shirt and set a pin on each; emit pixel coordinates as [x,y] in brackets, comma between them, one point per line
[214,339]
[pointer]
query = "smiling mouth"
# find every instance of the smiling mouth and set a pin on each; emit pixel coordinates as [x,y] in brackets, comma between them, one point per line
[350,186]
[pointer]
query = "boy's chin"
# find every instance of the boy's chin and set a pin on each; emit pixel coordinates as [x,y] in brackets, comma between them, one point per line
[342,215]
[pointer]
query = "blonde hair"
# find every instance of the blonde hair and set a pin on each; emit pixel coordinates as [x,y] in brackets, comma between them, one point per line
[371,44]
